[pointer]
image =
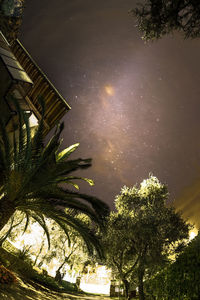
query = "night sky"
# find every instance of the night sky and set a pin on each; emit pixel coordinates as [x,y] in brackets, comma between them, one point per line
[135,106]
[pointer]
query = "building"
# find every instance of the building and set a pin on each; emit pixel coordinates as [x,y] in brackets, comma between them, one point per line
[22,78]
[14,81]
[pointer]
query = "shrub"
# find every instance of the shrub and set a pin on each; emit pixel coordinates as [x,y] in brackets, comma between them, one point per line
[179,280]
[51,283]
[7,276]
[46,281]
[68,286]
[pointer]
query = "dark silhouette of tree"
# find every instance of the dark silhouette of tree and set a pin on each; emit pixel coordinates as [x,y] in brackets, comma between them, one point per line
[156,18]
[168,283]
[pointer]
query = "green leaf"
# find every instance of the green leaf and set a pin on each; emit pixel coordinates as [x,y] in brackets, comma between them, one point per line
[36,172]
[74,184]
[66,152]
[69,178]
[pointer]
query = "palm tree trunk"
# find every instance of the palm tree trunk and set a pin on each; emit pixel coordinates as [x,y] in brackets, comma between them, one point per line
[7,209]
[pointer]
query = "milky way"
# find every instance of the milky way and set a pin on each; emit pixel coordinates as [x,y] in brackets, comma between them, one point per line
[135,106]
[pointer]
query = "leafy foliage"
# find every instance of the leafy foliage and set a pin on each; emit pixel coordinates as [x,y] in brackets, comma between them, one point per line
[179,280]
[120,250]
[24,269]
[34,179]
[14,225]
[68,253]
[68,286]
[156,18]
[50,283]
[67,256]
[6,276]
[142,233]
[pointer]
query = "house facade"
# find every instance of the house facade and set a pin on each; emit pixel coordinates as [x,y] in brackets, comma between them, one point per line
[22,78]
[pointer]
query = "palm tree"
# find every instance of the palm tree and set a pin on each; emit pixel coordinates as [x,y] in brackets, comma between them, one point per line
[34,179]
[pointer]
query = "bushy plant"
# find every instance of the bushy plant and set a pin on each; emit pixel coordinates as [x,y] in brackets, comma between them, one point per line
[68,286]
[24,255]
[45,280]
[179,280]
[50,282]
[7,276]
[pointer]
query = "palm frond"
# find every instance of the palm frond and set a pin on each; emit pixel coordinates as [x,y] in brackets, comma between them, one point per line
[28,149]
[53,144]
[27,221]
[91,206]
[37,173]
[66,167]
[37,141]
[69,178]
[91,240]
[21,139]
[39,218]
[15,151]
[63,155]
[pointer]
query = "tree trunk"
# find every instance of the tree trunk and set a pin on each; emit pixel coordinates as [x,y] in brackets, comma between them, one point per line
[6,211]
[58,276]
[126,287]
[37,256]
[140,285]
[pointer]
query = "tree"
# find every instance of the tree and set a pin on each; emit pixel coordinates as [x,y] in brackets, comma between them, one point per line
[68,253]
[120,251]
[168,284]
[156,18]
[17,220]
[142,233]
[73,254]
[34,179]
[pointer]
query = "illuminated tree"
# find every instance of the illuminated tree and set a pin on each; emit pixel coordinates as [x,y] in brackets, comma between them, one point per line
[34,179]
[142,233]
[156,18]
[16,221]
[68,251]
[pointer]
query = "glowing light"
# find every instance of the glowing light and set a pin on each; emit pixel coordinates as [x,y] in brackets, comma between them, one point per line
[193,234]
[33,120]
[103,289]
[109,90]
[35,237]
[98,282]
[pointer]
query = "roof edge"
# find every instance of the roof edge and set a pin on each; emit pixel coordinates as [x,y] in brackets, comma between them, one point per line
[50,83]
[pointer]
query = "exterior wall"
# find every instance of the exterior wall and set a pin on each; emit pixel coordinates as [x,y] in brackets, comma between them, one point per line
[22,78]
[55,104]
[13,82]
